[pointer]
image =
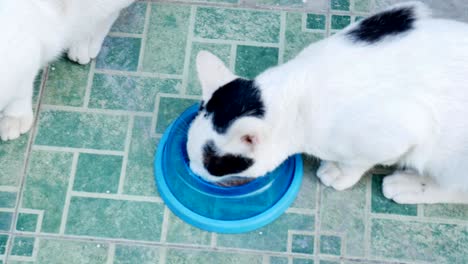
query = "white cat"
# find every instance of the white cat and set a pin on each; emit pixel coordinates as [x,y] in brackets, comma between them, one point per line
[391,89]
[34,32]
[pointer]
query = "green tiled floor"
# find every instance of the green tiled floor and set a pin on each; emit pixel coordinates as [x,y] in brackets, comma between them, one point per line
[79,188]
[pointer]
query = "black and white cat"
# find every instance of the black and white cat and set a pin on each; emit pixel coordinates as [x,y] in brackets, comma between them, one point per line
[390,89]
[36,32]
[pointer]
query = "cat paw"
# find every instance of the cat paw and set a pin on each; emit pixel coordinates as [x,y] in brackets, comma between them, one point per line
[407,188]
[12,127]
[339,176]
[82,52]
[331,175]
[328,173]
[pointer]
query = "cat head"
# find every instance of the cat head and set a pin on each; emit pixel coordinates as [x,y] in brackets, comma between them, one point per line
[227,137]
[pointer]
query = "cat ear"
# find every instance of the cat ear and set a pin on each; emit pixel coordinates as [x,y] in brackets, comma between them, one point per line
[212,73]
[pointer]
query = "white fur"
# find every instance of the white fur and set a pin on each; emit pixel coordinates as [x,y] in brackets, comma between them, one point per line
[36,32]
[402,100]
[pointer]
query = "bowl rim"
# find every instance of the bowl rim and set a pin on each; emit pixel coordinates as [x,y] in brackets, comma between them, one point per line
[223,226]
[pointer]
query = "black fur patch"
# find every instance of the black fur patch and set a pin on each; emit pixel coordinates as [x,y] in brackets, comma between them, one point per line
[223,165]
[387,23]
[236,99]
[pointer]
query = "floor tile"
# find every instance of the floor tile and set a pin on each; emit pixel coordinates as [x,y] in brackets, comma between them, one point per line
[251,61]
[100,125]
[181,232]
[295,38]
[330,245]
[7,199]
[202,257]
[414,241]
[342,5]
[285,3]
[316,21]
[98,173]
[53,251]
[362,5]
[235,24]
[139,179]
[278,260]
[136,254]
[66,83]
[82,130]
[115,218]
[131,19]
[306,198]
[344,213]
[12,154]
[340,22]
[303,244]
[129,93]
[447,211]
[302,261]
[3,243]
[167,39]
[26,222]
[169,109]
[22,246]
[5,221]
[46,186]
[271,237]
[118,53]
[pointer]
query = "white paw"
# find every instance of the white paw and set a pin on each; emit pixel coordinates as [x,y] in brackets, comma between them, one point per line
[13,127]
[332,176]
[328,172]
[407,188]
[82,52]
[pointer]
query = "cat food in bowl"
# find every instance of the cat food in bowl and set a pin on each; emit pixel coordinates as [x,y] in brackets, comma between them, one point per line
[217,208]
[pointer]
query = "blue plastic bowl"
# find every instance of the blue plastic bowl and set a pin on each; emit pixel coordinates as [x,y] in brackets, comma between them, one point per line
[215,208]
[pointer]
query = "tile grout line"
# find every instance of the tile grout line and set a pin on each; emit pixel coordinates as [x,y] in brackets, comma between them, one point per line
[188,50]
[236,42]
[367,219]
[282,38]
[128,140]
[111,253]
[95,110]
[165,225]
[31,139]
[318,202]
[182,246]
[162,255]
[265,259]
[144,37]
[71,181]
[154,116]
[81,150]
[139,74]
[214,240]
[164,230]
[124,35]
[232,58]
[111,196]
[89,84]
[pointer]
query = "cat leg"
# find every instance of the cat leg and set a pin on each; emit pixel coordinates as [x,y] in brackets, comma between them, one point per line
[340,176]
[86,49]
[407,187]
[17,117]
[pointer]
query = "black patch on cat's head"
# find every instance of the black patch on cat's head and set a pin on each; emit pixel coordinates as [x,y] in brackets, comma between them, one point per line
[236,99]
[387,23]
[219,166]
